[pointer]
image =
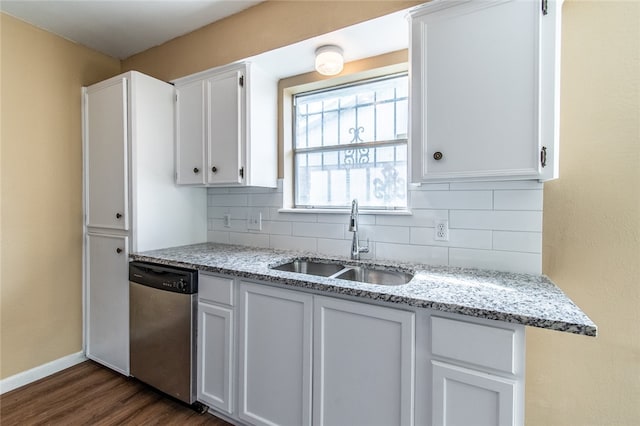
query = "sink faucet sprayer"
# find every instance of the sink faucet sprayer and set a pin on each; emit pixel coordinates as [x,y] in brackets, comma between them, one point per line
[353,227]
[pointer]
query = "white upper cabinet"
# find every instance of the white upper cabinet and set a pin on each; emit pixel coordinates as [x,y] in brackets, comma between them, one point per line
[190,160]
[484,89]
[226,127]
[106,153]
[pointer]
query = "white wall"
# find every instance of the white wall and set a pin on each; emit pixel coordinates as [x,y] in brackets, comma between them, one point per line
[494,225]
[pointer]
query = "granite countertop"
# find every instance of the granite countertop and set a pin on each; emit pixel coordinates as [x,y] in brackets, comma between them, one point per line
[532,300]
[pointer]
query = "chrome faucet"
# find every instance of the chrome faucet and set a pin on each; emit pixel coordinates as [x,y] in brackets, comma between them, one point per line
[353,227]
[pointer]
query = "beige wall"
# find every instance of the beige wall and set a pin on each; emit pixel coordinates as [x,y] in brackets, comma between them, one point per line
[41,169]
[592,225]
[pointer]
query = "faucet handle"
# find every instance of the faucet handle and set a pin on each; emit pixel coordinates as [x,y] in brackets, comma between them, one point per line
[364,249]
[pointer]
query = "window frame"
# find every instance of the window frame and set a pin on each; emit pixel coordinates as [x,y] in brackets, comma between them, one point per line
[399,142]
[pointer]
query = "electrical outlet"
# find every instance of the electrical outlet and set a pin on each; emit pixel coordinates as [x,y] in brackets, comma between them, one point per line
[441,230]
[255,222]
[227,221]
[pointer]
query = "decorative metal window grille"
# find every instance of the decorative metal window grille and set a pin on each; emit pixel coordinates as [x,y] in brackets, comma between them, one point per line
[351,142]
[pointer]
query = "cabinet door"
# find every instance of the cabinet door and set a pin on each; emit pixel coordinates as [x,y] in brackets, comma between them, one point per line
[225,121]
[275,356]
[190,138]
[476,106]
[215,355]
[466,397]
[363,364]
[107,324]
[106,156]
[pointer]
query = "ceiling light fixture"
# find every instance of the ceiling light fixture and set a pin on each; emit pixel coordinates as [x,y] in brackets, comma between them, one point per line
[329,60]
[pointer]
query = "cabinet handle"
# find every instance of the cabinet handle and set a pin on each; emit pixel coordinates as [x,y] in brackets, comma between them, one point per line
[437,155]
[214,169]
[196,170]
[118,215]
[118,250]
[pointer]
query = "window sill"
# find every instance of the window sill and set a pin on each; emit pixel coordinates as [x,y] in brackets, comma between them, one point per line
[347,211]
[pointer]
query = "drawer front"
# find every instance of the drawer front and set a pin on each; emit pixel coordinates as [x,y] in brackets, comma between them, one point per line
[213,288]
[481,345]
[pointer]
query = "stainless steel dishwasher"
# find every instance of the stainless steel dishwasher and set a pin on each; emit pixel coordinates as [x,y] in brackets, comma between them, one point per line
[162,328]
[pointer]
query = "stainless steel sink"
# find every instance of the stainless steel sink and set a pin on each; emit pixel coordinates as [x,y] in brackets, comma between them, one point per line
[375,276]
[310,267]
[365,274]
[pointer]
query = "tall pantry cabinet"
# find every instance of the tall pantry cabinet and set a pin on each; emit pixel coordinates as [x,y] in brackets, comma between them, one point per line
[131,200]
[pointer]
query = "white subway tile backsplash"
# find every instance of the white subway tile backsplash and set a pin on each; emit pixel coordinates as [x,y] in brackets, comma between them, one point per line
[517,200]
[293,243]
[507,184]
[528,263]
[218,212]
[385,234]
[530,242]
[418,217]
[429,187]
[292,217]
[530,221]
[318,230]
[472,200]
[236,225]
[332,247]
[496,225]
[410,253]
[253,190]
[364,219]
[249,239]
[268,200]
[218,237]
[469,238]
[219,190]
[276,228]
[229,200]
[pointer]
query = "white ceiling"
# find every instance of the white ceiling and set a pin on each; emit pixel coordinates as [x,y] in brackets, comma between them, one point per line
[370,38]
[121,28]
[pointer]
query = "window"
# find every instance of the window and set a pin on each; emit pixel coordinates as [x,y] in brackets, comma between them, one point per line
[351,142]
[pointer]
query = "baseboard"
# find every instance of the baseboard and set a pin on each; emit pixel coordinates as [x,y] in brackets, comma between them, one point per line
[39,372]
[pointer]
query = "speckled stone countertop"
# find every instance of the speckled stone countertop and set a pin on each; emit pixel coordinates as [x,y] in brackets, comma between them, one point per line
[531,300]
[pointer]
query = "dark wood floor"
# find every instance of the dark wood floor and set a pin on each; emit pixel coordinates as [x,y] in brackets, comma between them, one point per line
[89,394]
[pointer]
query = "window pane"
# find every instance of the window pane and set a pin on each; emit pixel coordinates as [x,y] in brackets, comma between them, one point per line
[332,124]
[376,176]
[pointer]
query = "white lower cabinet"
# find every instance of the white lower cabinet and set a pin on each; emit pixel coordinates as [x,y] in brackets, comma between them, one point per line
[477,373]
[463,397]
[275,356]
[216,343]
[108,301]
[363,364]
[215,325]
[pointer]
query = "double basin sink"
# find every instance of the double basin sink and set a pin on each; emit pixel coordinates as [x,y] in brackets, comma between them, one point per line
[365,274]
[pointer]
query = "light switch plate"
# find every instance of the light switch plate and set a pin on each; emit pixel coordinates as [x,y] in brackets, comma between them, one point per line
[254,223]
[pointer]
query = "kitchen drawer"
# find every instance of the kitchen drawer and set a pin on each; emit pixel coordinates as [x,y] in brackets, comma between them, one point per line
[477,344]
[213,288]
